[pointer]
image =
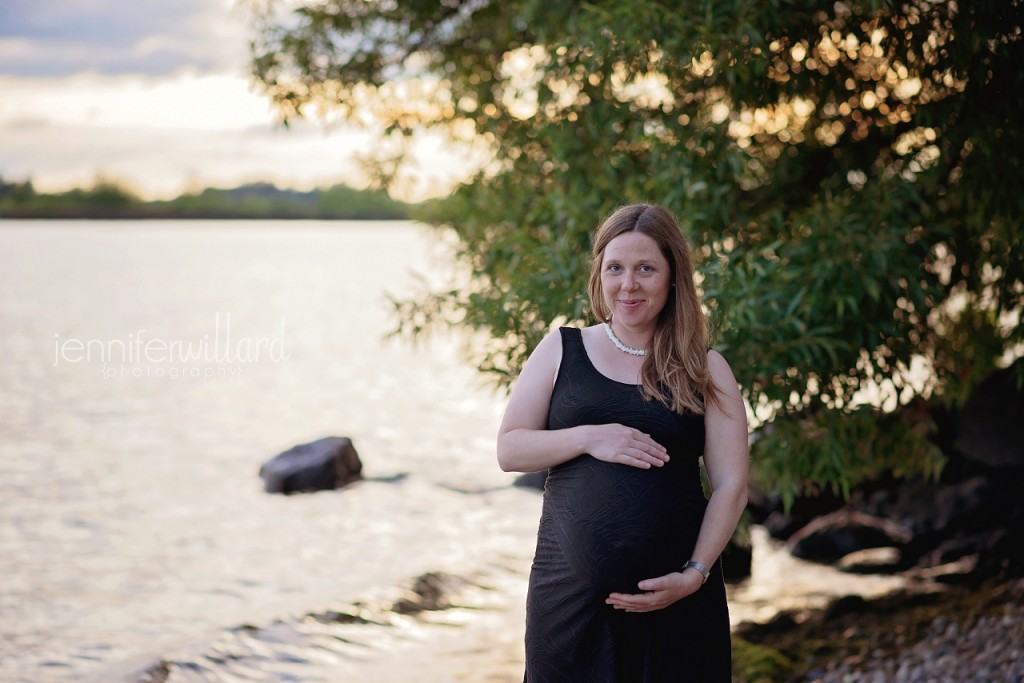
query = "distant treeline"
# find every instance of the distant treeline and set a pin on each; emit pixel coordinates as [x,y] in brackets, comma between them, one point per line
[108,200]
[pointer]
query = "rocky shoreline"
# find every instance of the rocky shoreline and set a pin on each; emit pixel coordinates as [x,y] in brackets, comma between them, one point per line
[450,628]
[957,539]
[958,634]
[469,628]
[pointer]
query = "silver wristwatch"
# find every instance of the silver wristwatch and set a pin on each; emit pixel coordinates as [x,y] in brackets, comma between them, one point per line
[699,566]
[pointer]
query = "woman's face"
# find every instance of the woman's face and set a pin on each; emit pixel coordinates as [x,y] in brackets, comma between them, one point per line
[635,279]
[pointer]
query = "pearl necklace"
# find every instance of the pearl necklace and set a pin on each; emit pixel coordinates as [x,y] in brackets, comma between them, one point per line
[620,346]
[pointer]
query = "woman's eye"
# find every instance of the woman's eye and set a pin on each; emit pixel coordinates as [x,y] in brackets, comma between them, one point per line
[646,269]
[614,267]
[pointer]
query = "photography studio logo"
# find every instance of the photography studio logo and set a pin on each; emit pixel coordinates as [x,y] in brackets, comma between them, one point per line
[218,353]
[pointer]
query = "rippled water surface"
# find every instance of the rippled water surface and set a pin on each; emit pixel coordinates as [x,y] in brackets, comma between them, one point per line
[133,524]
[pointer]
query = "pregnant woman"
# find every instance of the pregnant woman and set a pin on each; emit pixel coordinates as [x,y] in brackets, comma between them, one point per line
[626,586]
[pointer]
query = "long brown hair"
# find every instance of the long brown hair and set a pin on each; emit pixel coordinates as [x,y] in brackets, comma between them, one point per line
[675,372]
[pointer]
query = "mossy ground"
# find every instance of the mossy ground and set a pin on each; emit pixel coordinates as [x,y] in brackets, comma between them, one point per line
[850,629]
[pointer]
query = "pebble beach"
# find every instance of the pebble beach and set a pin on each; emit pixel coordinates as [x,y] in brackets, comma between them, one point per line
[938,634]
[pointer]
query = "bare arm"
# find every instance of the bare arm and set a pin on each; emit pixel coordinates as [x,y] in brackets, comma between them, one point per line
[726,459]
[526,445]
[727,463]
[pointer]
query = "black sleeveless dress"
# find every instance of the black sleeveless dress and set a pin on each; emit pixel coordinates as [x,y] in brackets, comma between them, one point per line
[603,528]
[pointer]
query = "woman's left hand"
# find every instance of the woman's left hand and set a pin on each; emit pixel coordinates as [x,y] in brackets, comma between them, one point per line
[660,592]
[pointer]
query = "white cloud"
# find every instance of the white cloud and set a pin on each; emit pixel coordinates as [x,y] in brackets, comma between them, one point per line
[154,93]
[61,37]
[188,101]
[163,163]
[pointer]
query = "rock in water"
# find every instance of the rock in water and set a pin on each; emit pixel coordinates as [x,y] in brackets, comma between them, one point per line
[532,480]
[331,462]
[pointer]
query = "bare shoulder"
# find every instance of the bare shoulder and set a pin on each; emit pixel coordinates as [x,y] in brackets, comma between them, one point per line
[721,373]
[717,363]
[528,404]
[544,359]
[548,350]
[592,337]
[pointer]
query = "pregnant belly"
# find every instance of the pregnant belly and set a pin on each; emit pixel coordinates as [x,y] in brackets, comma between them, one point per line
[616,525]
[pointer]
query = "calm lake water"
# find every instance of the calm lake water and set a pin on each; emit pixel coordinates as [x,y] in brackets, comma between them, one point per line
[151,367]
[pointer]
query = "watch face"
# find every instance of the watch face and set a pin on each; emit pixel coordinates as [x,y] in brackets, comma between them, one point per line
[699,566]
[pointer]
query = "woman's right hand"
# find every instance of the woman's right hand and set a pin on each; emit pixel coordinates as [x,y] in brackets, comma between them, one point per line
[624,445]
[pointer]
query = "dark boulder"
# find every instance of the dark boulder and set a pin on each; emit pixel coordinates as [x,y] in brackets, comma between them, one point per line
[737,559]
[781,526]
[327,463]
[990,426]
[782,523]
[840,533]
[532,480]
[927,507]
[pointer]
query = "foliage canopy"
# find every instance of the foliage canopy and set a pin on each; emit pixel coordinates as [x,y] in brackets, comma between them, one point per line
[848,171]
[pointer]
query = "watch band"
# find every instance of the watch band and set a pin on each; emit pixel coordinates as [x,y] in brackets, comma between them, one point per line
[699,566]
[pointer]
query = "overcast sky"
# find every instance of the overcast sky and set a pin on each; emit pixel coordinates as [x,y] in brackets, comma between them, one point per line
[155,94]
